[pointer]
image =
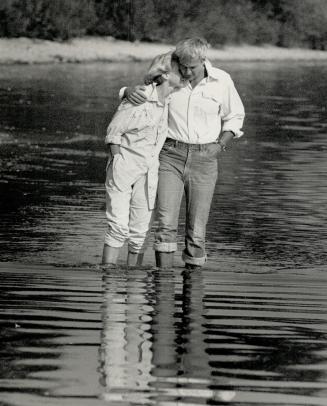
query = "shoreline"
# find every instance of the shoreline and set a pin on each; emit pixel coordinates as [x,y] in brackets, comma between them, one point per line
[107,49]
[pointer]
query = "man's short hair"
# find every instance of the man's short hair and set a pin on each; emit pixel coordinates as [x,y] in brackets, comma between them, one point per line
[162,63]
[190,48]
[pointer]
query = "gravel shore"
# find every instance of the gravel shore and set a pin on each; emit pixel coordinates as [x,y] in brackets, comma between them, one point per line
[107,49]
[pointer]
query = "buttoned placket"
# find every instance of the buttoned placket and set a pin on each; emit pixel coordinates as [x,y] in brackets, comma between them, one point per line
[152,174]
[193,92]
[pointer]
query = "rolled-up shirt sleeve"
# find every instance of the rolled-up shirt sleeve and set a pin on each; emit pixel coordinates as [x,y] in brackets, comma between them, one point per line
[119,124]
[232,113]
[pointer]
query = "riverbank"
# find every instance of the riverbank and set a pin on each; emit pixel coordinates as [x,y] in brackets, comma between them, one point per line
[107,49]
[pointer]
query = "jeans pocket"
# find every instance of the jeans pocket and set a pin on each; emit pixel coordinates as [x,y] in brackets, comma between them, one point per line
[166,147]
[212,150]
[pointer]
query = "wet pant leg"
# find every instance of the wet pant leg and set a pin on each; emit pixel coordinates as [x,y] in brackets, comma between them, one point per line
[140,216]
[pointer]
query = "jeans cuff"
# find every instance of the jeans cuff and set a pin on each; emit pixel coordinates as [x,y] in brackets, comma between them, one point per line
[134,250]
[165,246]
[193,260]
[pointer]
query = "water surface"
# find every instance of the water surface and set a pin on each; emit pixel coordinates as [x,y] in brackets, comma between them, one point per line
[130,337]
[270,200]
[249,329]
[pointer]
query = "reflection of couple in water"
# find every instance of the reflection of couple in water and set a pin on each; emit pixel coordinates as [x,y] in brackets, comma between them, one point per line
[165,139]
[154,338]
[147,344]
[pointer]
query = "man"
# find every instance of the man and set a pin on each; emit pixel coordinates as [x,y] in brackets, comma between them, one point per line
[203,118]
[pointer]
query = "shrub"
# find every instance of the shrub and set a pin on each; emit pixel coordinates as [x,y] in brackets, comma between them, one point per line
[47,19]
[279,22]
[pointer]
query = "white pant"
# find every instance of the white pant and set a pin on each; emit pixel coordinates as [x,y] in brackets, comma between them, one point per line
[128,214]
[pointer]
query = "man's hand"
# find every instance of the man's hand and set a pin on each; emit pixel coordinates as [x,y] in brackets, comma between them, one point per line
[220,148]
[224,140]
[226,137]
[136,95]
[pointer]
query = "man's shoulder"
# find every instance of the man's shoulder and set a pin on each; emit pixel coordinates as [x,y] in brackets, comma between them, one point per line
[217,73]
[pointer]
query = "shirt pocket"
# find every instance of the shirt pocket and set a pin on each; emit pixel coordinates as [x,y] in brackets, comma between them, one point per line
[144,128]
[209,103]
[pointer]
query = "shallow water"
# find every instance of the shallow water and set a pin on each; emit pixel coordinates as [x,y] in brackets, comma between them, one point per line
[270,200]
[249,329]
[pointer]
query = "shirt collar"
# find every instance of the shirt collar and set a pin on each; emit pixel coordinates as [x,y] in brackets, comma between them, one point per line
[212,73]
[151,92]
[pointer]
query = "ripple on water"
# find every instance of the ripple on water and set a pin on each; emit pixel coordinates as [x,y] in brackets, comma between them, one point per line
[141,336]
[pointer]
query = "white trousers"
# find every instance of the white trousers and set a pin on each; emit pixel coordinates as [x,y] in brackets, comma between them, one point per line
[128,214]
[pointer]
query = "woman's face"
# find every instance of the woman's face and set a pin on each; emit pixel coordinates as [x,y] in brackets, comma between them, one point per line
[175,78]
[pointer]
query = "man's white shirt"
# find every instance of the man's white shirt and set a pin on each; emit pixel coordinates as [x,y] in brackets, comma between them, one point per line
[198,115]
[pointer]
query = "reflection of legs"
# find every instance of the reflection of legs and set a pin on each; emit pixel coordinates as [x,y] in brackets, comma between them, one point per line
[170,193]
[117,213]
[199,188]
[139,222]
[113,335]
[195,361]
[163,326]
[126,349]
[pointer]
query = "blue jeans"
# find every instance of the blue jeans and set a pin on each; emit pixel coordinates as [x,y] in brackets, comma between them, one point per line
[192,168]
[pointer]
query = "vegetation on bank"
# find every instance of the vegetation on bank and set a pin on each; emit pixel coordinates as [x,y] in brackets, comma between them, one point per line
[286,23]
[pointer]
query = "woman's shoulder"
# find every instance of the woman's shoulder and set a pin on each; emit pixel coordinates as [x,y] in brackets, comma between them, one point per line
[149,91]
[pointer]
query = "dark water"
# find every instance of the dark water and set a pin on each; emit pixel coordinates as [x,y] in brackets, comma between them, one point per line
[250,329]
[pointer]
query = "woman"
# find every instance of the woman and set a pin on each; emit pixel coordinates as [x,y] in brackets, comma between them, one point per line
[135,137]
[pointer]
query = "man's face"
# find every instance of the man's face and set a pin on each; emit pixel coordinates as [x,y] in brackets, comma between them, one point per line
[192,69]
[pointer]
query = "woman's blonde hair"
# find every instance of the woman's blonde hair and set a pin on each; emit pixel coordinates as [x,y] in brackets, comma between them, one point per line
[161,64]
